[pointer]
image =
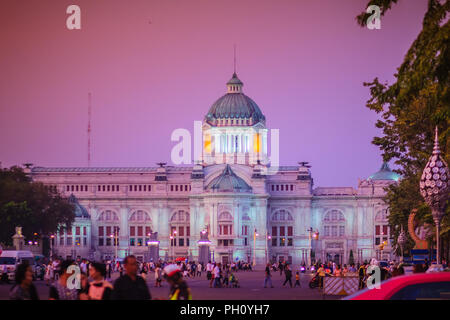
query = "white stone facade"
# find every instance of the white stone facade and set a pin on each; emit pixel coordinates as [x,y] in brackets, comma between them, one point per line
[284,210]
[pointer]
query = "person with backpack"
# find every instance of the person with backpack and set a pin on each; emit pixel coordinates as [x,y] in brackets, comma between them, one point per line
[268,278]
[288,275]
[179,290]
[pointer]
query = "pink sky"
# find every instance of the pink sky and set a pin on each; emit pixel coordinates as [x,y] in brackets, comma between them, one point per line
[154,66]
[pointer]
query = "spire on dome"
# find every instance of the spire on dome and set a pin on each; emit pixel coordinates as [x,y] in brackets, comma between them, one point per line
[436,149]
[235,84]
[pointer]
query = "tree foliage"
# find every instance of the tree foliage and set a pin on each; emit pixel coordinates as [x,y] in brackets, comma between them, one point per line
[30,205]
[410,109]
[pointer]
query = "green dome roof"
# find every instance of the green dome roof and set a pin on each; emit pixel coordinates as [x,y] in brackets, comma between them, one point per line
[228,181]
[80,211]
[385,173]
[234,105]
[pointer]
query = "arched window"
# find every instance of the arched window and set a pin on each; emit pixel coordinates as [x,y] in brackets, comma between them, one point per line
[334,224]
[180,229]
[140,225]
[225,224]
[282,229]
[382,229]
[108,228]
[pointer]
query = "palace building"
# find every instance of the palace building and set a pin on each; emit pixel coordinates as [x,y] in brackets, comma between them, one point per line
[246,214]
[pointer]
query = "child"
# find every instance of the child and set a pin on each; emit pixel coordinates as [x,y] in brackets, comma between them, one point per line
[297,280]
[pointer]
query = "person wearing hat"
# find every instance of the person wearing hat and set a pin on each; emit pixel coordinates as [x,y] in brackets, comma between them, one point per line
[179,289]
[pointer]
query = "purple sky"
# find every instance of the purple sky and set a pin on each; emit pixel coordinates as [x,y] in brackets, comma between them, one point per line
[154,66]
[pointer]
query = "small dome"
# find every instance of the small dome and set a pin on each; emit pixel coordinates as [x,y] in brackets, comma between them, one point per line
[385,173]
[228,181]
[235,105]
[80,211]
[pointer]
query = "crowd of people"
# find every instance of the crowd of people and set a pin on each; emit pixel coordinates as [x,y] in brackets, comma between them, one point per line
[89,280]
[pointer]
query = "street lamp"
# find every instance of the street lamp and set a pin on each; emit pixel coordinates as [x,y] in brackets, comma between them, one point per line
[51,245]
[255,234]
[434,188]
[267,245]
[401,240]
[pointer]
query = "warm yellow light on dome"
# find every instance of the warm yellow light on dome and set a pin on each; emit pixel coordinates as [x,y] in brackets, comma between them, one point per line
[207,143]
[257,142]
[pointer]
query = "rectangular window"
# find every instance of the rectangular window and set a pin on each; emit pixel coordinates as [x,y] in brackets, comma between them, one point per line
[282,187]
[100,232]
[145,187]
[273,188]
[68,188]
[132,242]
[140,242]
[176,188]
[131,187]
[274,242]
[77,231]
[245,241]
[341,231]
[282,242]
[274,231]
[84,231]
[108,231]
[103,188]
[377,241]
[334,231]
[85,241]
[108,241]
[61,241]
[117,188]
[326,231]
[290,231]
[187,242]
[112,188]
[181,242]
[290,242]
[172,230]
[149,188]
[171,188]
[282,231]
[148,230]
[292,187]
[132,231]
[135,189]
[69,241]
[77,188]
[140,187]
[377,230]
[109,188]
[225,230]
[385,230]
[139,229]
[69,231]
[77,241]
[181,231]
[100,242]
[98,188]
[278,187]
[188,231]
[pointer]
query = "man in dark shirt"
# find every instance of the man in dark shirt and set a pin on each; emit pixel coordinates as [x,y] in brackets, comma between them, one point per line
[130,286]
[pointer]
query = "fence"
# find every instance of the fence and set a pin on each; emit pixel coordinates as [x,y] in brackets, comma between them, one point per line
[340,285]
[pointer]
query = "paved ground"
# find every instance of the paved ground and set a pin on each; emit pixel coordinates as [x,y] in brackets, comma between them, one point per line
[251,288]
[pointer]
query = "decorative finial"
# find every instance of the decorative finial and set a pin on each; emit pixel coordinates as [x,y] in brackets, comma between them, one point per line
[436,149]
[234,60]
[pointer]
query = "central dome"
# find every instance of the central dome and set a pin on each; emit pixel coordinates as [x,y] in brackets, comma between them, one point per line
[234,106]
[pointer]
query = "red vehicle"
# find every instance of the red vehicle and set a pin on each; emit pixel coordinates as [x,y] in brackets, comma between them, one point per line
[410,287]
